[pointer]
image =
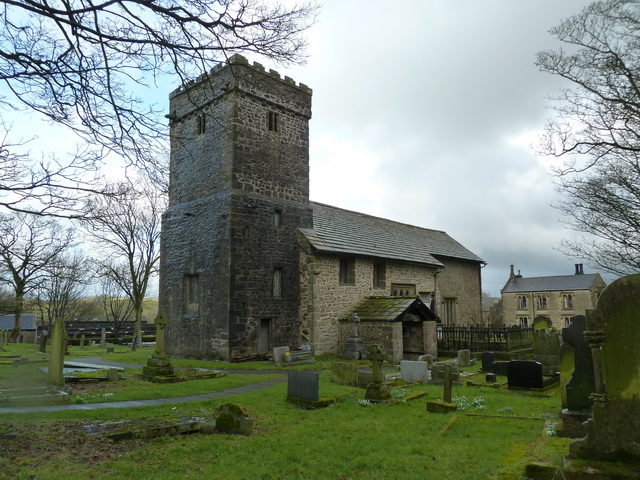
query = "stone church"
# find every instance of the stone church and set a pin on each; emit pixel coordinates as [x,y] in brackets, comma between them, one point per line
[248,262]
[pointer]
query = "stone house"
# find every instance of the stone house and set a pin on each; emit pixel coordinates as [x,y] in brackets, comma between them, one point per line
[249,263]
[557,297]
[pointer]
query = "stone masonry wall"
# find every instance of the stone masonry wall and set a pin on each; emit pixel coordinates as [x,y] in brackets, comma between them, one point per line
[460,279]
[323,294]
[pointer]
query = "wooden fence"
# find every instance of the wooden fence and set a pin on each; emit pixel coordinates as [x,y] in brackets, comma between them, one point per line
[484,339]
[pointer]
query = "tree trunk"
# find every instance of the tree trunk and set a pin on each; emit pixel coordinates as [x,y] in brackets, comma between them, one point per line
[17,325]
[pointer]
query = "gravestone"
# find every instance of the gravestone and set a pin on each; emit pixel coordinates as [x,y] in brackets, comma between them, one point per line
[377,391]
[354,347]
[501,368]
[55,375]
[437,374]
[528,374]
[428,358]
[546,350]
[448,379]
[487,361]
[43,341]
[581,385]
[103,337]
[344,373]
[159,364]
[464,358]
[281,355]
[233,418]
[82,341]
[304,386]
[412,372]
[612,443]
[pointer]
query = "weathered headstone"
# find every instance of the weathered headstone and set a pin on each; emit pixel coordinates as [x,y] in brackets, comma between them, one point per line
[159,364]
[437,374]
[613,434]
[427,358]
[2,340]
[448,379]
[55,375]
[581,386]
[304,386]
[43,341]
[354,346]
[464,358]
[344,373]
[546,350]
[487,361]
[233,418]
[281,355]
[103,337]
[412,372]
[377,391]
[501,368]
[82,341]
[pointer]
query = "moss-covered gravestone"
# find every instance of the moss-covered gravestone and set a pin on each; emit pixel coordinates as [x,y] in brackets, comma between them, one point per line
[233,418]
[377,391]
[612,443]
[55,373]
[158,366]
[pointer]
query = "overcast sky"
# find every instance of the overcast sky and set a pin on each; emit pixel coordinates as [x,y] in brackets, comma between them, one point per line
[423,113]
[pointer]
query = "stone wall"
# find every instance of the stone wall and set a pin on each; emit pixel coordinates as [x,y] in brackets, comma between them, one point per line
[325,300]
[460,280]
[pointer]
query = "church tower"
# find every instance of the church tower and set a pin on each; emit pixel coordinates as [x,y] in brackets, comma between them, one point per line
[238,193]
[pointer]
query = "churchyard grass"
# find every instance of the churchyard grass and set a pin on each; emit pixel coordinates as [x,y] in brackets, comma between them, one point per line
[343,440]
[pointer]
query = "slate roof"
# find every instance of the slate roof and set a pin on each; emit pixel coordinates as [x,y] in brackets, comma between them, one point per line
[583,281]
[389,309]
[340,231]
[28,321]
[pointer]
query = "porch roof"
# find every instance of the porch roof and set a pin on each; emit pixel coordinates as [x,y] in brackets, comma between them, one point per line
[389,309]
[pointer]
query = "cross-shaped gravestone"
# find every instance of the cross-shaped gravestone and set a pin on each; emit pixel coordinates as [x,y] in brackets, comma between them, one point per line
[161,322]
[448,378]
[355,321]
[582,383]
[377,356]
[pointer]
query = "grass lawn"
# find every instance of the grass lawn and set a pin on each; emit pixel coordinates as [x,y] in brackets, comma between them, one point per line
[495,435]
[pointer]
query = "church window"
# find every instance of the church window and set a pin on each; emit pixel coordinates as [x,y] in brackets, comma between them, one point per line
[449,311]
[190,282]
[522,302]
[347,271]
[524,322]
[403,290]
[541,302]
[277,282]
[277,218]
[200,124]
[273,122]
[379,275]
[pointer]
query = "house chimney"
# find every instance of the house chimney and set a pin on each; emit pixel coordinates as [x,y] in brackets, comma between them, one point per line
[579,269]
[511,274]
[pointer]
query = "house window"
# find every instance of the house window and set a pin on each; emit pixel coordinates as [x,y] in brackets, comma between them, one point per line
[567,321]
[200,124]
[379,275]
[273,122]
[277,282]
[524,322]
[522,302]
[567,301]
[449,311]
[403,290]
[347,271]
[541,302]
[190,285]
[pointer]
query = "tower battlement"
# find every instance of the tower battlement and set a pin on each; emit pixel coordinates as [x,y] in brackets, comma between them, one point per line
[235,61]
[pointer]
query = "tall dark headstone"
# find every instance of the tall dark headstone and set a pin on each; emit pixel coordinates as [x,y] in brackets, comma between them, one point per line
[581,386]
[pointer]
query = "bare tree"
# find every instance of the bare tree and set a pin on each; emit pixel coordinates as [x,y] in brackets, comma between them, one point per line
[62,292]
[28,246]
[90,67]
[596,130]
[128,229]
[117,308]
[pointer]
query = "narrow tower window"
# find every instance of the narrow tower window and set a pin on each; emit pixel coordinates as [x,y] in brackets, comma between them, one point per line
[200,124]
[277,283]
[277,218]
[273,122]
